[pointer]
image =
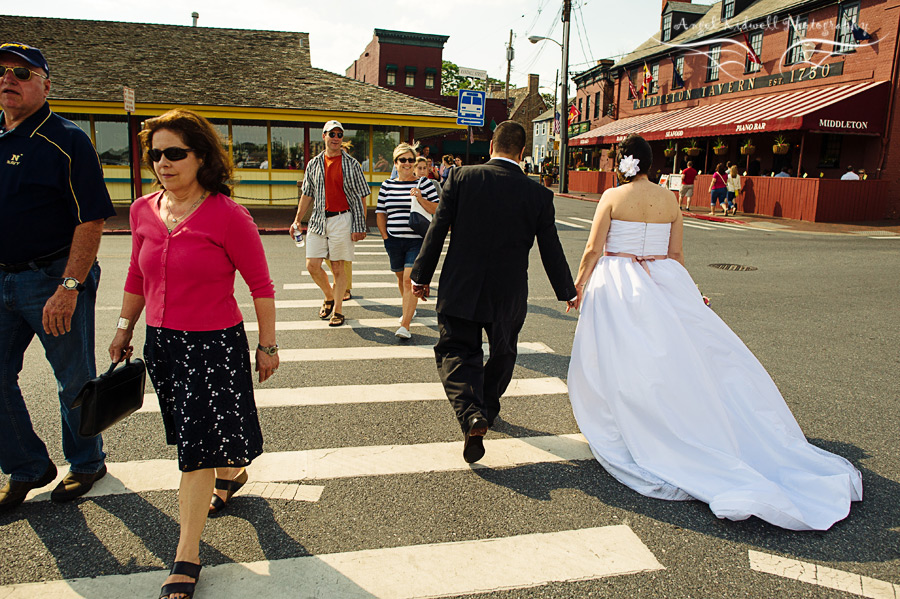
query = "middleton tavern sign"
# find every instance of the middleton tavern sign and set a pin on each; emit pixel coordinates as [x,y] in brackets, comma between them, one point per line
[718,89]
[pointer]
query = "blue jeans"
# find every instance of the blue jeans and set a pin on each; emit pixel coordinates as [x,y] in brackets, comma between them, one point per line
[23,456]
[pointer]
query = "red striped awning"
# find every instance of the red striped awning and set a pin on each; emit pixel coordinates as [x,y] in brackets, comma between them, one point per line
[617,130]
[856,108]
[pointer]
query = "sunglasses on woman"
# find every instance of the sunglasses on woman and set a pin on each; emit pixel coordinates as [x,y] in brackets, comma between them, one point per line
[20,73]
[173,154]
[405,160]
[338,134]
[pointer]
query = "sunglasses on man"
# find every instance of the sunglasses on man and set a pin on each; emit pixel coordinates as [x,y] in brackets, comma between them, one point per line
[173,154]
[20,73]
[339,134]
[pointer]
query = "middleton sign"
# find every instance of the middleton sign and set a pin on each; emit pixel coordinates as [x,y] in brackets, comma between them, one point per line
[717,89]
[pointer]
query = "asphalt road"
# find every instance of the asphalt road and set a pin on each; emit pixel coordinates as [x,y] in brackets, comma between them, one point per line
[820,313]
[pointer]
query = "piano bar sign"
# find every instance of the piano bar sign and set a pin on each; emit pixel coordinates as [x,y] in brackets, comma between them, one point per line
[741,85]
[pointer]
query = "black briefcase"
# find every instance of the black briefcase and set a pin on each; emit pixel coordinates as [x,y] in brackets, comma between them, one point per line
[111,397]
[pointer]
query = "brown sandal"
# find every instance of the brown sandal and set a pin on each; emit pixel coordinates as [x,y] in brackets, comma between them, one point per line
[325,310]
[337,319]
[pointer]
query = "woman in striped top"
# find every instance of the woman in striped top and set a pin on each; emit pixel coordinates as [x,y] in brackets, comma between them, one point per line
[392,215]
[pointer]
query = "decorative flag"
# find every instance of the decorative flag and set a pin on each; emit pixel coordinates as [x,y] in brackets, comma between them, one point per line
[752,56]
[648,81]
[633,92]
[676,76]
[574,113]
[859,34]
[556,123]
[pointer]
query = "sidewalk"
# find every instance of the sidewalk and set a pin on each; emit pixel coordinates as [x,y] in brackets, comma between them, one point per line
[881,227]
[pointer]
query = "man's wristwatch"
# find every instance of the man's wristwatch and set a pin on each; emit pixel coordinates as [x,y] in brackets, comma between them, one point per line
[271,350]
[72,284]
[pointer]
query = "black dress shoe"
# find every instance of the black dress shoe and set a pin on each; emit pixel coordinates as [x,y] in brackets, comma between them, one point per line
[473,446]
[13,493]
[75,484]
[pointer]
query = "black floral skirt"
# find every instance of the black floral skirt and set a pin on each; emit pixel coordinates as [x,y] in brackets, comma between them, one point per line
[205,387]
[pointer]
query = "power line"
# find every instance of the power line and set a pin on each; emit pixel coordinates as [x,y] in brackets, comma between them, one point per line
[584,27]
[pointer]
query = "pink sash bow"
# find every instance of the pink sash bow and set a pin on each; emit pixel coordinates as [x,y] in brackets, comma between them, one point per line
[642,260]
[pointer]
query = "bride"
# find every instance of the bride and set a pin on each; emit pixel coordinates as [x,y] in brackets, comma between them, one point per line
[671,401]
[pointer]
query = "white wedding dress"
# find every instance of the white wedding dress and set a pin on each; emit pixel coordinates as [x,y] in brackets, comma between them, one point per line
[675,406]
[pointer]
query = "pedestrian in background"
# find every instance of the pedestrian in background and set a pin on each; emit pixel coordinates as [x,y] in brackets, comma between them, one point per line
[424,169]
[187,242]
[850,175]
[688,176]
[718,189]
[336,188]
[734,189]
[53,202]
[392,216]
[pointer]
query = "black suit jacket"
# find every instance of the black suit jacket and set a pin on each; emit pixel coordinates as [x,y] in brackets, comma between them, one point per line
[495,212]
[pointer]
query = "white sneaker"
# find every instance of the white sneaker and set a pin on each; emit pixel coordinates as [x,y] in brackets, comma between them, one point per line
[403,333]
[400,320]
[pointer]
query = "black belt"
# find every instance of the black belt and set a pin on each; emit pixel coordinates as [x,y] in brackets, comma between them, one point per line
[36,263]
[329,214]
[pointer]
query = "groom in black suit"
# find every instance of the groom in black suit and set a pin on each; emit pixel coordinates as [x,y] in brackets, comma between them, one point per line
[495,212]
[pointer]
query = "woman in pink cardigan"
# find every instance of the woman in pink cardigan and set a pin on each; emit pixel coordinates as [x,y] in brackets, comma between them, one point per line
[187,242]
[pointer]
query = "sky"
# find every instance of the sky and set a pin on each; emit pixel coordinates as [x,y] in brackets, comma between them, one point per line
[340,29]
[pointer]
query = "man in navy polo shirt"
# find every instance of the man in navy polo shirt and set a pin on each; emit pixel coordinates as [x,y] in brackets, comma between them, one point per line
[53,202]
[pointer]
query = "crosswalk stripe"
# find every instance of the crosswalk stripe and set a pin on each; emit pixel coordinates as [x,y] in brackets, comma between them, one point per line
[408,572]
[362,323]
[694,225]
[357,273]
[357,285]
[822,576]
[381,253]
[124,478]
[584,220]
[384,393]
[383,352]
[359,302]
[568,224]
[344,462]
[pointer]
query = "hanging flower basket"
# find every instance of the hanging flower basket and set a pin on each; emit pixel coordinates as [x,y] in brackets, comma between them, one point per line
[692,151]
[721,150]
[781,148]
[669,152]
[748,150]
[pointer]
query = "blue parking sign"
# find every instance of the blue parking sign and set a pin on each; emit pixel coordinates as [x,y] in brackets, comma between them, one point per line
[470,108]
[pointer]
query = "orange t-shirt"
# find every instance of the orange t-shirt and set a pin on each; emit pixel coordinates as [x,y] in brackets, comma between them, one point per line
[335,198]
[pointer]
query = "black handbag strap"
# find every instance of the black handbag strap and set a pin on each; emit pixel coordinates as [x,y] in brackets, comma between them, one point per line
[114,364]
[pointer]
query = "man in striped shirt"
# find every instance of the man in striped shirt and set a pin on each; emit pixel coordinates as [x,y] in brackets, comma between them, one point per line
[336,188]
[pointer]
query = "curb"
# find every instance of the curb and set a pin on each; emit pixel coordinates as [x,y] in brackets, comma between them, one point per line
[715,219]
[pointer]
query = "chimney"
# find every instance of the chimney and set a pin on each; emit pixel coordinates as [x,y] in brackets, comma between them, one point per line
[533,84]
[195,15]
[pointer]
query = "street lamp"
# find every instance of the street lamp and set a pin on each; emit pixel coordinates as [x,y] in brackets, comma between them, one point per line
[564,96]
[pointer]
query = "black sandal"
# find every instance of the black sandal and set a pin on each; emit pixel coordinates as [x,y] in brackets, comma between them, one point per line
[181,588]
[337,319]
[347,296]
[231,486]
[325,310]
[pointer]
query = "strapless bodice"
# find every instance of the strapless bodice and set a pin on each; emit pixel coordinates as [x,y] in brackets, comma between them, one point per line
[640,239]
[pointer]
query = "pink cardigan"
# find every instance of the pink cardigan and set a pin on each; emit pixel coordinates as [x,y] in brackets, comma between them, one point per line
[187,276]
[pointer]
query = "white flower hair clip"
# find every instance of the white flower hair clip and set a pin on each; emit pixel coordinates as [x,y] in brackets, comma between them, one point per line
[629,166]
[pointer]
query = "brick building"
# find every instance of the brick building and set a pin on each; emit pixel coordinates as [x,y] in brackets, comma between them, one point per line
[822,90]
[526,104]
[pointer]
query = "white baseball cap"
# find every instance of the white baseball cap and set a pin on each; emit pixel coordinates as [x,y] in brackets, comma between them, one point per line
[332,125]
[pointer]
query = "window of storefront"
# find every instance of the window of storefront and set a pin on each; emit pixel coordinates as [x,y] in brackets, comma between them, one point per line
[249,144]
[830,155]
[667,27]
[795,50]
[430,77]
[287,146]
[679,68]
[222,128]
[410,77]
[111,139]
[82,120]
[384,140]
[597,105]
[391,78]
[712,66]
[654,72]
[848,17]
[727,9]
[587,108]
[756,44]
[580,112]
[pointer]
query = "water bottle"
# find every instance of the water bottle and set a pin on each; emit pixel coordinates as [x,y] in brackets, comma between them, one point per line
[297,234]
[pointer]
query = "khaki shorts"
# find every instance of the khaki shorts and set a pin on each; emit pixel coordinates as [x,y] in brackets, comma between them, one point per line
[336,244]
[687,191]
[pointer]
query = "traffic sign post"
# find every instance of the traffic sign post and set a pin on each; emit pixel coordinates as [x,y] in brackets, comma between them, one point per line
[129,99]
[470,108]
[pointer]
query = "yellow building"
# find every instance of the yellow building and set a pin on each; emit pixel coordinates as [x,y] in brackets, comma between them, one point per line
[258,87]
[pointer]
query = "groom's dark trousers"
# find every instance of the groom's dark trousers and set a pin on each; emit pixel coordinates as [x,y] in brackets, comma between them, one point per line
[495,213]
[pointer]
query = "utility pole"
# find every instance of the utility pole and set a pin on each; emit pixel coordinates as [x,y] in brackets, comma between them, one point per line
[553,122]
[564,104]
[510,53]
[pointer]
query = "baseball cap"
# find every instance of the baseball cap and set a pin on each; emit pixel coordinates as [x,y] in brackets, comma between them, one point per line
[30,54]
[331,125]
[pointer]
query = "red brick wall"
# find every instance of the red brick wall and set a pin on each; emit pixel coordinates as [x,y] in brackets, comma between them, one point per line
[415,56]
[366,67]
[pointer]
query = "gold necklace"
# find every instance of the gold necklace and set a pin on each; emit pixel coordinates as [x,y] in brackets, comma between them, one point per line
[174,218]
